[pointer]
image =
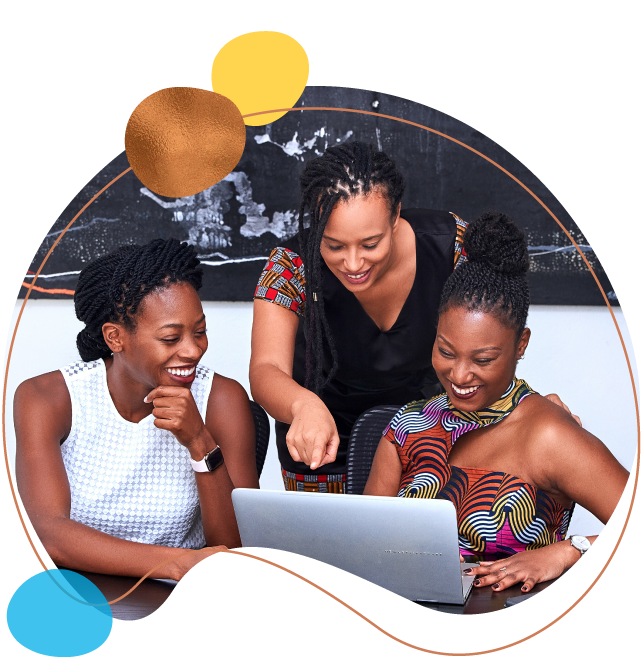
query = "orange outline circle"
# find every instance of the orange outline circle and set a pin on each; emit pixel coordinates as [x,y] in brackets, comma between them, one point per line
[473,150]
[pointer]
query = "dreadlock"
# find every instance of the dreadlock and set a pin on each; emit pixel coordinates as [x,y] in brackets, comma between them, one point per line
[341,173]
[111,288]
[494,278]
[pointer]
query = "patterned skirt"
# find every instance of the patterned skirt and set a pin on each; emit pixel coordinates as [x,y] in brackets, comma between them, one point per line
[310,483]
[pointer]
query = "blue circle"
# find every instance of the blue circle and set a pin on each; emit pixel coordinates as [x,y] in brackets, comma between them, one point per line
[59,613]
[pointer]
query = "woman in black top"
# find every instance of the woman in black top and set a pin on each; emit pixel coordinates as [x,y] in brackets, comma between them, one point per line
[353,311]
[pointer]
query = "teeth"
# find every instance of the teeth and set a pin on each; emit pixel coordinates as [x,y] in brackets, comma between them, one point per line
[356,276]
[181,372]
[464,391]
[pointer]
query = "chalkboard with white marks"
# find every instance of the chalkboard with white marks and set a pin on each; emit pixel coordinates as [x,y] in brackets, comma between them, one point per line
[235,224]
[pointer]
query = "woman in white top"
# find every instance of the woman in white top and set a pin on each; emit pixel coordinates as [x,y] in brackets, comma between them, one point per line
[120,457]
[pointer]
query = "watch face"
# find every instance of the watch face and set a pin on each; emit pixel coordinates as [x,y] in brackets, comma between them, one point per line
[581,543]
[214,459]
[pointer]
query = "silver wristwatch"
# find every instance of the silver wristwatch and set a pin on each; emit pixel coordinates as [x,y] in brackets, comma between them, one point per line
[581,543]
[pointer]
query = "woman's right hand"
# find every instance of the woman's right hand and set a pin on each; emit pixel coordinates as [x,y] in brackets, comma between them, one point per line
[313,436]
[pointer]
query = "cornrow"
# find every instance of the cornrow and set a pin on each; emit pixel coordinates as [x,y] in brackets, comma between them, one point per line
[341,173]
[111,288]
[494,277]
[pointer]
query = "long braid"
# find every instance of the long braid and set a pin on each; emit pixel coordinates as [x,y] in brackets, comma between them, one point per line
[341,173]
[494,278]
[111,288]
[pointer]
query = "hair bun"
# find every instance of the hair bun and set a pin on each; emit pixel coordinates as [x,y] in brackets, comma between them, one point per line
[496,241]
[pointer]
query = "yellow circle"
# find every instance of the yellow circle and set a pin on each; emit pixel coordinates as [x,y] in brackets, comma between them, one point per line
[180,141]
[261,71]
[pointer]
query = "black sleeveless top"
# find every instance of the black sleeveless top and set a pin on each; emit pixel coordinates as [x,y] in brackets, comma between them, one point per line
[375,367]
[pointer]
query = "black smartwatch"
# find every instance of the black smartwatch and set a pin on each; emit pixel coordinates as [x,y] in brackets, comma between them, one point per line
[209,462]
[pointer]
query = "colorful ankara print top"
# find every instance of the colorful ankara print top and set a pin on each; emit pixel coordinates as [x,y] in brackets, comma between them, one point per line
[283,278]
[498,514]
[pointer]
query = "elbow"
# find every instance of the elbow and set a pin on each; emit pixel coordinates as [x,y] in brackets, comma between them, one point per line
[255,383]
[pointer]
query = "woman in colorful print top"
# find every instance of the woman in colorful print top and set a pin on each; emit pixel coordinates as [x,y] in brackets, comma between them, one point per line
[512,463]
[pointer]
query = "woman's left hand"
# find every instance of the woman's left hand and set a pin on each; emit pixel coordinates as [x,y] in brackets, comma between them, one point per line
[175,410]
[530,567]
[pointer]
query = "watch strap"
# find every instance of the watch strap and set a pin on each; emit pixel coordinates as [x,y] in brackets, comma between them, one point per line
[211,461]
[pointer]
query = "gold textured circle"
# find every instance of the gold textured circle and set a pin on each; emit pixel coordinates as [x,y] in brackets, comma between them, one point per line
[180,141]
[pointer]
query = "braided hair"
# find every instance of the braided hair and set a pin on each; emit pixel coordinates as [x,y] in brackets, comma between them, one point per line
[111,288]
[494,278]
[341,173]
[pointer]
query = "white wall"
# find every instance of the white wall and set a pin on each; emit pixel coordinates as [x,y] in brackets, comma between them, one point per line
[574,351]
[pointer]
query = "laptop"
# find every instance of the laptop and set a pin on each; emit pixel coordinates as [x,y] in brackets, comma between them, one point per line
[408,546]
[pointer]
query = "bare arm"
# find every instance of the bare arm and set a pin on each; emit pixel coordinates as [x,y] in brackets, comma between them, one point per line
[574,463]
[569,462]
[42,415]
[229,425]
[386,471]
[313,436]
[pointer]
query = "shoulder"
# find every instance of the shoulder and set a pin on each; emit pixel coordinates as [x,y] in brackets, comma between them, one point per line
[445,229]
[229,414]
[550,429]
[49,389]
[431,222]
[283,281]
[43,401]
[227,396]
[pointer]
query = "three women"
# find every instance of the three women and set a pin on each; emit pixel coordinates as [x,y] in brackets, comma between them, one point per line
[351,325]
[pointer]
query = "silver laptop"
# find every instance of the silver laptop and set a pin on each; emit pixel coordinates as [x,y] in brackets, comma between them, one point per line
[408,546]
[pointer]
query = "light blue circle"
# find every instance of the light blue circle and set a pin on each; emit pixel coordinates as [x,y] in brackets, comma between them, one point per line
[59,613]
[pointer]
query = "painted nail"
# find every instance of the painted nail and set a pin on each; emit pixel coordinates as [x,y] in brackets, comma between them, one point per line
[495,586]
[476,582]
[466,571]
[524,588]
[145,400]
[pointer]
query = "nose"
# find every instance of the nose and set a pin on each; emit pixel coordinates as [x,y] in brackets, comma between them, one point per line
[353,261]
[191,350]
[461,373]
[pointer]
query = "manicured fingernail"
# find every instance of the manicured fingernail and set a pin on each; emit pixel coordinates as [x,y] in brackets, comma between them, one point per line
[313,465]
[145,399]
[466,571]
[476,582]
[524,588]
[495,586]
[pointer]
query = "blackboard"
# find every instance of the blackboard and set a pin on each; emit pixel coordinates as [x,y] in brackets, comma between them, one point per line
[235,224]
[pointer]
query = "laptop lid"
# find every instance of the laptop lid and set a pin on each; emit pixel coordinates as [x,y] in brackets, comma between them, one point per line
[408,546]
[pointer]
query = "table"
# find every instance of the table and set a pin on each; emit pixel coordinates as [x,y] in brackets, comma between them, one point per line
[141,602]
[485,599]
[152,593]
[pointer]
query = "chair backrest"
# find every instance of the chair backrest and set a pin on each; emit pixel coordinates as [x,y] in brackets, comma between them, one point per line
[364,439]
[262,434]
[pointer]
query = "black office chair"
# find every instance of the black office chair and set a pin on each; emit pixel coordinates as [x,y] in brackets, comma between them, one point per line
[262,434]
[364,439]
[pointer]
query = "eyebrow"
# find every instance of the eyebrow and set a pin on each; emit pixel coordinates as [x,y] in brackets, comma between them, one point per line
[201,319]
[366,239]
[476,351]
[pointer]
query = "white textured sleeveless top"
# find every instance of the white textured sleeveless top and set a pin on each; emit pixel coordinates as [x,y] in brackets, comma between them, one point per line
[133,481]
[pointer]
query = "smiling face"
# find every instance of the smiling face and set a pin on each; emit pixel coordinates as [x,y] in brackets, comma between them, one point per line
[357,245]
[169,338]
[475,356]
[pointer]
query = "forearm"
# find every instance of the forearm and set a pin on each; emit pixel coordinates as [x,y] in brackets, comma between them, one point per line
[215,496]
[568,552]
[78,547]
[277,392]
